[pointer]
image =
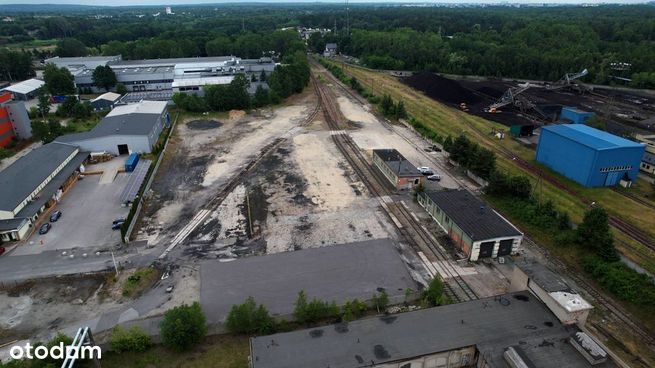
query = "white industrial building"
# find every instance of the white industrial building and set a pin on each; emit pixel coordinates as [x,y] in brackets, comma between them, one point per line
[34,183]
[185,74]
[133,128]
[569,306]
[25,90]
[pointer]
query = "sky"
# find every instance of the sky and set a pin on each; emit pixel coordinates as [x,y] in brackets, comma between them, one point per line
[180,2]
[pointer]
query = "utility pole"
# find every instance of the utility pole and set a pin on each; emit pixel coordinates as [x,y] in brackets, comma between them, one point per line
[347,19]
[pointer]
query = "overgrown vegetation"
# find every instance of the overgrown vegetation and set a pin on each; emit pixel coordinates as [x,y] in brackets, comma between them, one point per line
[183,327]
[133,339]
[140,280]
[250,318]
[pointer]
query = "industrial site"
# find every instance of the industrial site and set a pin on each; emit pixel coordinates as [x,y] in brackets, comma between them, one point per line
[308,210]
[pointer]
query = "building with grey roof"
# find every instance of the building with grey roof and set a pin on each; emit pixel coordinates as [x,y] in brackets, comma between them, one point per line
[33,183]
[479,231]
[401,173]
[161,74]
[475,333]
[133,128]
[648,163]
[569,306]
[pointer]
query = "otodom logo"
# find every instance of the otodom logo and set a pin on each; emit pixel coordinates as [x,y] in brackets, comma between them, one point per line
[61,351]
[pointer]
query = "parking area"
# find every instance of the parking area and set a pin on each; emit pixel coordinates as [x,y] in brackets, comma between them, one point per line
[88,210]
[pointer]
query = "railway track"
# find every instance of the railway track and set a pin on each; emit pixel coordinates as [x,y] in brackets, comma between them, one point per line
[206,210]
[455,286]
[620,225]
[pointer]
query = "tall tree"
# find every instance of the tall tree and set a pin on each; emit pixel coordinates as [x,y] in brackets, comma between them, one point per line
[58,81]
[70,47]
[104,77]
[594,234]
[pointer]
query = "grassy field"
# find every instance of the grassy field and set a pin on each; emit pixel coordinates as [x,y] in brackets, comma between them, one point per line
[447,120]
[215,352]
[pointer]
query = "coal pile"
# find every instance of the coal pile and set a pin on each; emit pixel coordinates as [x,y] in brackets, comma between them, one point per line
[441,89]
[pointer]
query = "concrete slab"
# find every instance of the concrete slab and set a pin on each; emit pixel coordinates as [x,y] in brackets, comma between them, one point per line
[339,273]
[87,212]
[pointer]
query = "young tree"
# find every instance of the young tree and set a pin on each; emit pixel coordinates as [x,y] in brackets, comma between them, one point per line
[300,310]
[386,105]
[261,97]
[43,106]
[66,108]
[249,318]
[594,234]
[381,300]
[104,77]
[433,295]
[400,111]
[121,89]
[183,326]
[58,81]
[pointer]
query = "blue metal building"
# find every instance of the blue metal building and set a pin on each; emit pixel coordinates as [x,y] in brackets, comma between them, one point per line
[589,156]
[575,115]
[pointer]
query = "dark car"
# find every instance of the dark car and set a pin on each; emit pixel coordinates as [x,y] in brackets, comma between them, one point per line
[45,228]
[118,220]
[55,216]
[2,250]
[117,225]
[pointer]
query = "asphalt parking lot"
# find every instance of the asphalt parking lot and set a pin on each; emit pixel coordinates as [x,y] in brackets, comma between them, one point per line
[87,212]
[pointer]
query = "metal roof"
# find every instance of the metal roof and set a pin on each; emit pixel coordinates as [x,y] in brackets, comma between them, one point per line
[170,61]
[143,107]
[471,215]
[21,178]
[397,162]
[12,224]
[109,96]
[590,137]
[124,124]
[492,325]
[544,277]
[25,87]
[190,82]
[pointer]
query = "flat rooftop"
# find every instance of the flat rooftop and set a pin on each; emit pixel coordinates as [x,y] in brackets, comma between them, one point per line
[397,162]
[590,137]
[472,215]
[339,273]
[491,324]
[20,179]
[26,86]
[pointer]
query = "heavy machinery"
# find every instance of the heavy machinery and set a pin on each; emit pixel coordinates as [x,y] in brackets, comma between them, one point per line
[512,97]
[570,80]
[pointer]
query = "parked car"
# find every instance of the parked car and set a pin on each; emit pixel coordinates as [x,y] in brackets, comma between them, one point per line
[2,250]
[117,220]
[436,149]
[117,225]
[435,177]
[169,289]
[45,228]
[425,170]
[54,216]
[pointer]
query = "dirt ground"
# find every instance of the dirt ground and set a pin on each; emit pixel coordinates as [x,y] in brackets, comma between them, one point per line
[51,304]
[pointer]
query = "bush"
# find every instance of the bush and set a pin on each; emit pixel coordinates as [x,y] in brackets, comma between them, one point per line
[133,340]
[249,318]
[353,309]
[313,311]
[381,300]
[183,327]
[622,281]
[433,295]
[141,279]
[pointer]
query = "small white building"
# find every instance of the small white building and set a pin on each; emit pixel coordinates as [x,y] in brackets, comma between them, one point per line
[330,50]
[569,306]
[25,90]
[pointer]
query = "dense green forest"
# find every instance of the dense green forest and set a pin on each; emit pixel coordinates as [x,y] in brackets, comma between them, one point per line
[529,42]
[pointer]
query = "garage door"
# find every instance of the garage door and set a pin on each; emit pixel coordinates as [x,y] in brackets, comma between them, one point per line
[486,249]
[505,247]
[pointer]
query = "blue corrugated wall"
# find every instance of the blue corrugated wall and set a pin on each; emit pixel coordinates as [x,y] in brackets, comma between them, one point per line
[576,116]
[585,165]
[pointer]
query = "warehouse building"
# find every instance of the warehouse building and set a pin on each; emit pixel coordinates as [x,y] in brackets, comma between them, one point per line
[574,115]
[588,156]
[25,90]
[133,128]
[105,101]
[34,183]
[185,74]
[511,330]
[569,306]
[401,173]
[648,163]
[479,231]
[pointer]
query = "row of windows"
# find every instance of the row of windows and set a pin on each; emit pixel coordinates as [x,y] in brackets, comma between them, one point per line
[616,168]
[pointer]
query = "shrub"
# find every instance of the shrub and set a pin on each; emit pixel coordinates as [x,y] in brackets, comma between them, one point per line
[182,327]
[133,340]
[433,295]
[249,318]
[313,311]
[141,279]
